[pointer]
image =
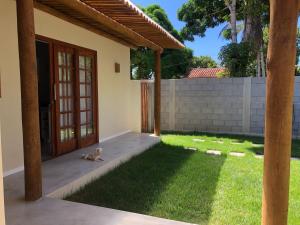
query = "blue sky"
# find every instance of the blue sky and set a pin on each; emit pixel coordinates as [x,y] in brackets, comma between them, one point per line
[209,45]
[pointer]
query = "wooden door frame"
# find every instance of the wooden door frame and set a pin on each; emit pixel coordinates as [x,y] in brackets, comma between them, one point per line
[52,42]
[83,142]
[68,145]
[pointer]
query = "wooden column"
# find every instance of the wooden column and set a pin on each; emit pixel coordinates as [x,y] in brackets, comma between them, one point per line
[29,96]
[157,90]
[279,100]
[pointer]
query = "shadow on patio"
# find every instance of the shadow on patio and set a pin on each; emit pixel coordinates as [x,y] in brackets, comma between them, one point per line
[158,183]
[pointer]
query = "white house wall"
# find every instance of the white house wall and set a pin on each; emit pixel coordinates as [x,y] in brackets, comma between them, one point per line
[119,97]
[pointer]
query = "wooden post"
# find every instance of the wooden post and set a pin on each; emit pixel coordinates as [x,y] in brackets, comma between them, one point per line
[157,87]
[279,101]
[29,95]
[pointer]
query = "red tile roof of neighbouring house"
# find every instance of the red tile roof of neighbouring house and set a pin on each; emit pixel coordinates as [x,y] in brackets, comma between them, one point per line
[204,72]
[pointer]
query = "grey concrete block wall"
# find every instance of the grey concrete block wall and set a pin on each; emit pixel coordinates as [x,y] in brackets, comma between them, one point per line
[229,105]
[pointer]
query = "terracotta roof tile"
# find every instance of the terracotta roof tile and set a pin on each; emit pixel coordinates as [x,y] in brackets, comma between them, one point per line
[204,72]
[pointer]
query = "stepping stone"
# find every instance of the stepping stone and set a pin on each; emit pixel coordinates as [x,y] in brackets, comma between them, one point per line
[258,156]
[192,149]
[257,145]
[198,140]
[237,154]
[213,152]
[236,143]
[218,141]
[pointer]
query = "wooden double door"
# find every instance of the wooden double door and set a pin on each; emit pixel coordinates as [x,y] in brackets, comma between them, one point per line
[74,98]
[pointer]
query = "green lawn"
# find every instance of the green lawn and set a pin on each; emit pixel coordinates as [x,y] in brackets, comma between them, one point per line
[173,182]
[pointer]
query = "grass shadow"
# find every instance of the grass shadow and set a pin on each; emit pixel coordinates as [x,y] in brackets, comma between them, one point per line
[259,150]
[165,181]
[256,144]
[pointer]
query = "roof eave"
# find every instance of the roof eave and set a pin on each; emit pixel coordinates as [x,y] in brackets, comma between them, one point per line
[94,20]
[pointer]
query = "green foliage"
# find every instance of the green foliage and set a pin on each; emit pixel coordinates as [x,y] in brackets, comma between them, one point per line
[201,15]
[223,74]
[203,62]
[238,59]
[175,63]
[297,71]
[142,62]
[298,46]
[159,15]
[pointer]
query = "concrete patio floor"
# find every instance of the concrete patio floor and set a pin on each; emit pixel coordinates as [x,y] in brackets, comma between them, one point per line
[68,173]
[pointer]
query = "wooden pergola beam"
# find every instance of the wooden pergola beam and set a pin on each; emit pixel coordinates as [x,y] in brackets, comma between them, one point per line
[157,93]
[279,101]
[77,22]
[29,96]
[99,17]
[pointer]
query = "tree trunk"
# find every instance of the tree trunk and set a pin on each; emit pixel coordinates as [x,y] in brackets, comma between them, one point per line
[258,66]
[248,24]
[232,8]
[279,102]
[262,62]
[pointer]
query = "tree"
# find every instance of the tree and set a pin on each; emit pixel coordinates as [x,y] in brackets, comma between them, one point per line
[201,15]
[203,62]
[255,18]
[238,59]
[175,63]
[204,14]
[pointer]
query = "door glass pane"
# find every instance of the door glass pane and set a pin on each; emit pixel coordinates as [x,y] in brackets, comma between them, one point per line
[83,117]
[88,63]
[71,119]
[66,96]
[61,58]
[90,129]
[70,90]
[69,59]
[60,89]
[90,117]
[89,103]
[62,120]
[88,77]
[88,90]
[71,133]
[61,108]
[83,131]
[70,107]
[82,104]
[81,62]
[82,76]
[60,73]
[62,135]
[64,89]
[64,75]
[82,90]
[66,119]
[68,74]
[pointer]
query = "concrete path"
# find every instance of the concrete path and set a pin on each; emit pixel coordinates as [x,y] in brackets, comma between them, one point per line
[58,212]
[68,173]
